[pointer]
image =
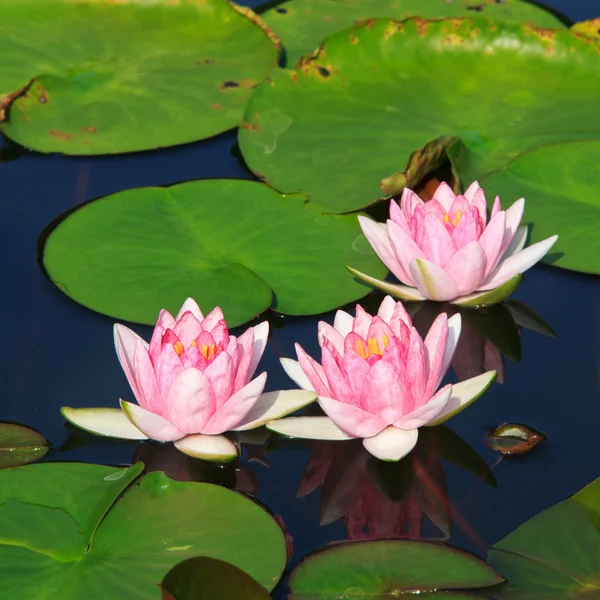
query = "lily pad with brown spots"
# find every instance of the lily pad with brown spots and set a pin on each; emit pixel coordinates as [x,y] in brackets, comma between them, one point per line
[98,77]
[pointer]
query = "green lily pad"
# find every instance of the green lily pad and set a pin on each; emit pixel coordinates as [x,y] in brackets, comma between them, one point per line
[204,578]
[20,445]
[66,533]
[589,28]
[560,184]
[303,24]
[123,76]
[514,439]
[387,569]
[354,113]
[235,244]
[556,554]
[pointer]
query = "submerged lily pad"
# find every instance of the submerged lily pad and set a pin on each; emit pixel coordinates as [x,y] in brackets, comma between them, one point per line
[303,24]
[66,533]
[514,439]
[556,554]
[20,445]
[560,184]
[231,243]
[387,569]
[354,113]
[122,76]
[204,578]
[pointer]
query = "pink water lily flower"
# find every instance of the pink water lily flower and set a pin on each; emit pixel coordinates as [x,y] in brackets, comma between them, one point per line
[446,250]
[193,382]
[378,380]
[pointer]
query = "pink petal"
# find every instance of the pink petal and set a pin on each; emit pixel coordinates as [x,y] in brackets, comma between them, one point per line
[409,202]
[243,357]
[212,318]
[386,393]
[387,308]
[392,444]
[470,192]
[491,241]
[397,215]
[401,323]
[469,228]
[357,367]
[416,368]
[434,348]
[427,412]
[362,322]
[188,306]
[435,241]
[381,332]
[518,263]
[220,333]
[477,200]
[467,267]
[326,331]
[444,195]
[496,208]
[125,344]
[145,379]
[165,319]
[514,214]
[314,371]
[167,367]
[460,204]
[233,412]
[150,424]
[261,333]
[336,379]
[434,207]
[156,342]
[187,329]
[518,242]
[221,374]
[190,401]
[397,352]
[405,249]
[343,322]
[377,236]
[352,420]
[432,281]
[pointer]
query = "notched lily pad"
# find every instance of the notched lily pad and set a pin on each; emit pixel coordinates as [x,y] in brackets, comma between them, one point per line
[389,569]
[124,76]
[70,531]
[20,445]
[303,24]
[235,244]
[507,88]
[514,439]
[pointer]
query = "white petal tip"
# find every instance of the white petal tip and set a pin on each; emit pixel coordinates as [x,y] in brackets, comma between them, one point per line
[464,394]
[312,428]
[274,405]
[392,444]
[212,448]
[109,422]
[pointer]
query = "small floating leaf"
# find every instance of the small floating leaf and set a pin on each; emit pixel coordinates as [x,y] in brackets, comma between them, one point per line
[204,578]
[20,445]
[514,439]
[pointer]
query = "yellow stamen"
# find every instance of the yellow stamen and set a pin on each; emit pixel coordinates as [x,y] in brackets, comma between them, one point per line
[372,347]
[457,218]
[194,343]
[446,218]
[208,351]
[178,348]
[361,348]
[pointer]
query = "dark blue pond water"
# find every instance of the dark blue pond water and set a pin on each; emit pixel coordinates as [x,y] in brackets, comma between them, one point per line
[57,353]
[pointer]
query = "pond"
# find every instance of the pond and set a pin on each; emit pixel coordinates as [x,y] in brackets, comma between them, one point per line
[59,353]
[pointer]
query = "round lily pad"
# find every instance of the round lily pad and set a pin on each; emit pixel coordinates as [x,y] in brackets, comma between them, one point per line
[389,568]
[20,445]
[353,114]
[123,76]
[67,533]
[303,24]
[560,184]
[235,244]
